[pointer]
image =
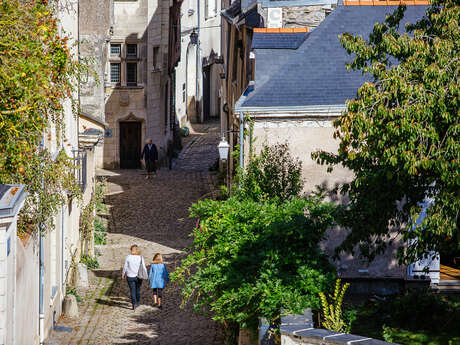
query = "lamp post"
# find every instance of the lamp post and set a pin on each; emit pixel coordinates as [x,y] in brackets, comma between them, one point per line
[224,148]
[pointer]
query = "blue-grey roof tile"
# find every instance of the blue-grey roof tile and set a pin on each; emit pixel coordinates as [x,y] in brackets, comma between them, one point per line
[262,40]
[315,73]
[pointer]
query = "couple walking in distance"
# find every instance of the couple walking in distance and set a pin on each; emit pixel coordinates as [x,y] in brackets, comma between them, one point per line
[134,271]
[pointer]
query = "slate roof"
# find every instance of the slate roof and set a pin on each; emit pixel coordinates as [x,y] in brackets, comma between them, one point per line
[278,40]
[233,11]
[315,73]
[246,4]
[235,16]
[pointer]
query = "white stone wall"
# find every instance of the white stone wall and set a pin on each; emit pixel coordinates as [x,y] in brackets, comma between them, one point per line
[186,71]
[301,16]
[27,287]
[65,234]
[3,282]
[11,320]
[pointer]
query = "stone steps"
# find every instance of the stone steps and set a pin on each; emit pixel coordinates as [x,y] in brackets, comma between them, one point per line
[448,287]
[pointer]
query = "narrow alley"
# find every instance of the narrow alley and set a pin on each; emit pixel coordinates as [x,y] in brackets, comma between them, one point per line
[154,215]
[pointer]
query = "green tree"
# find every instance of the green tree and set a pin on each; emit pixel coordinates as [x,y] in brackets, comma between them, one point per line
[258,252]
[274,173]
[251,259]
[400,136]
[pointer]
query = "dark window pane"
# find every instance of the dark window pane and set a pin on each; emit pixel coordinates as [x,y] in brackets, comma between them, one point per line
[131,74]
[131,50]
[155,58]
[115,73]
[115,49]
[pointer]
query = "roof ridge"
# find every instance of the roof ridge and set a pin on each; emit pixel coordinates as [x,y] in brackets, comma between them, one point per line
[385,2]
[280,30]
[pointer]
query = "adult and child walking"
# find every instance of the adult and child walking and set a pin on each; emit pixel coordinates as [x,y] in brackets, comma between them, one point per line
[135,271]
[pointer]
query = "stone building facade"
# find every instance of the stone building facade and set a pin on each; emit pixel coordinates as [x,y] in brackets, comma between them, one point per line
[95,20]
[138,99]
[198,80]
[299,16]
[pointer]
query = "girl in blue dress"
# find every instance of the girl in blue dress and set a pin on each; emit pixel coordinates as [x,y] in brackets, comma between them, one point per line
[158,277]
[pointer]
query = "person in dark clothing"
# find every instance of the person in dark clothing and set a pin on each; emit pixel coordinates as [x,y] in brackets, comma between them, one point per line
[150,156]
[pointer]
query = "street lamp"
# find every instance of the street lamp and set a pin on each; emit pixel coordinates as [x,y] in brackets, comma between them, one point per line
[223,148]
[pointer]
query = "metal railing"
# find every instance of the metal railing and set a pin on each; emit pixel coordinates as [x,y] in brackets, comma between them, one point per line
[80,160]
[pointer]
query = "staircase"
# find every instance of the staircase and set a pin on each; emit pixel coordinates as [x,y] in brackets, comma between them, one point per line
[450,280]
[447,286]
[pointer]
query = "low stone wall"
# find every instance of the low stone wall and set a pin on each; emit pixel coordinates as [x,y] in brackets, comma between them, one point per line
[298,329]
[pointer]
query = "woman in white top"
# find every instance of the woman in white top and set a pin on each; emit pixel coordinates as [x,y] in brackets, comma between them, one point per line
[130,272]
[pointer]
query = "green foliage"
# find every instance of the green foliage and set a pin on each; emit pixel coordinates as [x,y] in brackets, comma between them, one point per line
[332,316]
[71,290]
[273,174]
[99,193]
[100,238]
[37,74]
[251,259]
[99,225]
[89,222]
[418,318]
[400,135]
[402,336]
[50,183]
[90,262]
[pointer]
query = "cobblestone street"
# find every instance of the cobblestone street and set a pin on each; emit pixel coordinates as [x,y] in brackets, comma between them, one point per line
[154,215]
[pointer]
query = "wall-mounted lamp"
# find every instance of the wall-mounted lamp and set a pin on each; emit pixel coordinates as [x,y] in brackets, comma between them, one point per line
[223,148]
[194,37]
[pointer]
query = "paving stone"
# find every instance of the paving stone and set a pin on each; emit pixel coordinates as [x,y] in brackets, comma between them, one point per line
[154,215]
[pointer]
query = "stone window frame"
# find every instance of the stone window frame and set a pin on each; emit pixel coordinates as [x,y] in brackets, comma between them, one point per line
[123,60]
[133,82]
[208,14]
[112,45]
[118,81]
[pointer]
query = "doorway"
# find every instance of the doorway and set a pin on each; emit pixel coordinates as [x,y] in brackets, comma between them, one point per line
[207,92]
[130,145]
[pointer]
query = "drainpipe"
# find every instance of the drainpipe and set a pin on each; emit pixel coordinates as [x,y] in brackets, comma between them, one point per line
[41,289]
[63,211]
[41,319]
[241,140]
[198,66]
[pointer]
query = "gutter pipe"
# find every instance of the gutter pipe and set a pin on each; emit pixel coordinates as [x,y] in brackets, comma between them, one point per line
[198,66]
[41,317]
[241,140]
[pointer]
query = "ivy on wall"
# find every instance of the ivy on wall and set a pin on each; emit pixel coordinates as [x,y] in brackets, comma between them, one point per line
[37,74]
